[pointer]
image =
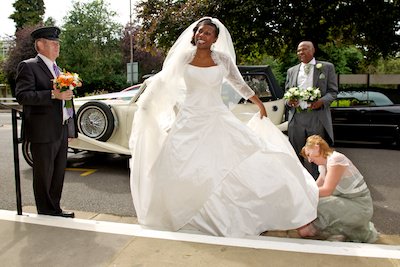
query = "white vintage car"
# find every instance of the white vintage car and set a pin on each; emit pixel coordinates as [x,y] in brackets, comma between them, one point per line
[104,121]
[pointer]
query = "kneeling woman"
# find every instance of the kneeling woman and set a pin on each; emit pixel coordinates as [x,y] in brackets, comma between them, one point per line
[345,205]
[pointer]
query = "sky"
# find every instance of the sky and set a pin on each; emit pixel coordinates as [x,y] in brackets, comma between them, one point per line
[58,9]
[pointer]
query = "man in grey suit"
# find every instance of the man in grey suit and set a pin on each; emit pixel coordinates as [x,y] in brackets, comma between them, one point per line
[48,125]
[311,73]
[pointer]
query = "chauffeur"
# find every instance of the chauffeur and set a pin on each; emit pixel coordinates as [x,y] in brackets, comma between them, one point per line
[47,125]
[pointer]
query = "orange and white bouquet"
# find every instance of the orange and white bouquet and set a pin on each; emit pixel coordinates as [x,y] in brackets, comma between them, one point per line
[67,81]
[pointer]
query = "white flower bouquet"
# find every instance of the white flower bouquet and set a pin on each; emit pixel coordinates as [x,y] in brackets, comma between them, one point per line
[308,95]
[293,93]
[304,96]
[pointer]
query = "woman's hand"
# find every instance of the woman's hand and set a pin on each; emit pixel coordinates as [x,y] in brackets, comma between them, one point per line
[263,112]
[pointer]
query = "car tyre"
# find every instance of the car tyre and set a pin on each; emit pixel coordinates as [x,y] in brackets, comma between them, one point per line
[26,152]
[96,120]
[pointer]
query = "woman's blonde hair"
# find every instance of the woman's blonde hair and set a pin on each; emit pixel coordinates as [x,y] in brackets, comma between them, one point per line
[315,140]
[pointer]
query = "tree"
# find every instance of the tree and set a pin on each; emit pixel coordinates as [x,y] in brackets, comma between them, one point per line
[27,13]
[347,58]
[2,74]
[23,49]
[27,16]
[50,21]
[150,61]
[162,21]
[372,25]
[91,47]
[276,27]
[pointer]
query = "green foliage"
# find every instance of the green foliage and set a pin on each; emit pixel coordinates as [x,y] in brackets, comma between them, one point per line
[50,21]
[264,59]
[346,59]
[27,13]
[358,36]
[276,27]
[372,25]
[27,16]
[90,46]
[162,21]
[389,66]
[150,61]
[3,79]
[22,49]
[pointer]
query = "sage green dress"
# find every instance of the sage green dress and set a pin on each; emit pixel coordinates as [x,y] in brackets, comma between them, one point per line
[349,209]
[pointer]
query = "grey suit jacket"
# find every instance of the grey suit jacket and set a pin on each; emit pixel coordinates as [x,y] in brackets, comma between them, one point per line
[326,80]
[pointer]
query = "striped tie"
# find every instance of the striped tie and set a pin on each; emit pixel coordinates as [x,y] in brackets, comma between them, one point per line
[56,70]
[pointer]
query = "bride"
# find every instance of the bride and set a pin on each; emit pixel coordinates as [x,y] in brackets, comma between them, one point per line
[195,165]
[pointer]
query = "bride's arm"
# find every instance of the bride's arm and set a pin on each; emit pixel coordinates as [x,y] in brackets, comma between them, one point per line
[263,112]
[235,78]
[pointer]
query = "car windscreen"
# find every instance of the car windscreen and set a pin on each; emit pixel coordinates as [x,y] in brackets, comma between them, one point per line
[361,98]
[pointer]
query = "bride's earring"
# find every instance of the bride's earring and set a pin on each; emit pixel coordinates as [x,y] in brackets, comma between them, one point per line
[212,46]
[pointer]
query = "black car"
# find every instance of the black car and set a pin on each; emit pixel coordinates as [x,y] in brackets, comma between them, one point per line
[365,116]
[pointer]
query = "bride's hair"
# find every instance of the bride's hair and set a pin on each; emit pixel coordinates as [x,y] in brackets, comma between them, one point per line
[206,21]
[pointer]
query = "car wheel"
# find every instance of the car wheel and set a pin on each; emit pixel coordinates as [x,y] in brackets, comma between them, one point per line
[95,120]
[26,152]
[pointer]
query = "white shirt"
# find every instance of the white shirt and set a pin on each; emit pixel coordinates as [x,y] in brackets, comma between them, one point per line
[49,65]
[306,80]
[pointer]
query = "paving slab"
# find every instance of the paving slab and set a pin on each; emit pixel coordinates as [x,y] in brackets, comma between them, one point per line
[150,252]
[24,244]
[39,240]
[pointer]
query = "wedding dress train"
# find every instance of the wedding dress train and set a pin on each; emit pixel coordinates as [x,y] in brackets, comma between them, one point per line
[219,175]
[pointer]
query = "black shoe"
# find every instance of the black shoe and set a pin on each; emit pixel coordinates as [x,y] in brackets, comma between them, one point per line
[65,214]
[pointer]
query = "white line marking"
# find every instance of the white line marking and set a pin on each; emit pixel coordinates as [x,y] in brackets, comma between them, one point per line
[258,242]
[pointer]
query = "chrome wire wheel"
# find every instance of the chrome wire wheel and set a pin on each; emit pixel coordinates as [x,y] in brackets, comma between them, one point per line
[96,120]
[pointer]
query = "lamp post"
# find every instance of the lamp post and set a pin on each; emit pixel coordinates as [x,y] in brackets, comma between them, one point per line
[131,38]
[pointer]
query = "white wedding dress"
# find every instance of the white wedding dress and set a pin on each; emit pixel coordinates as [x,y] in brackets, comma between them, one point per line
[218,175]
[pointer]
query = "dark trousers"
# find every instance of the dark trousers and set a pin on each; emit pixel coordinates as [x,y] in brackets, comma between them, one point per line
[49,163]
[303,125]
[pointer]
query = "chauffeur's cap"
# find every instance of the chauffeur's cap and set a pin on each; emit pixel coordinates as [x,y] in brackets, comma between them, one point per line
[50,33]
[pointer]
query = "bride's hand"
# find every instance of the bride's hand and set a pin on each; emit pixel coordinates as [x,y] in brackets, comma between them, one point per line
[257,101]
[263,112]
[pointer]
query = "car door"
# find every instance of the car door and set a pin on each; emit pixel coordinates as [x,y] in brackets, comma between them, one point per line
[351,116]
[262,81]
[384,117]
